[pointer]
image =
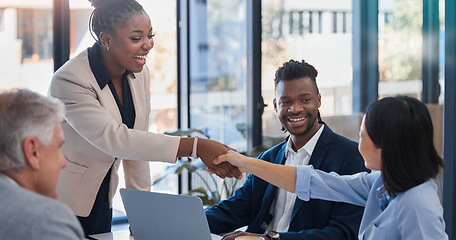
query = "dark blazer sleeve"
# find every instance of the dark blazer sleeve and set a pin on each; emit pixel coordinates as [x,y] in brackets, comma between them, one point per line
[232,213]
[244,206]
[330,220]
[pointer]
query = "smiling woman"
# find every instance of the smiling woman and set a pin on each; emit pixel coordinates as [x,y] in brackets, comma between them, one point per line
[97,84]
[127,48]
[106,92]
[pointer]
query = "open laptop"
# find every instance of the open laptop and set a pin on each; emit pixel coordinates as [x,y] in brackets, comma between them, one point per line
[165,216]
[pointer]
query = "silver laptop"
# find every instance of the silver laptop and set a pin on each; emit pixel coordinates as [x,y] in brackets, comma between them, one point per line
[165,216]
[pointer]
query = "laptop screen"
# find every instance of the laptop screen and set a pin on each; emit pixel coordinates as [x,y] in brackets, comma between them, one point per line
[165,216]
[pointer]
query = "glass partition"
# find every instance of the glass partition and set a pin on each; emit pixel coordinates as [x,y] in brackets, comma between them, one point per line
[400,43]
[26,45]
[217,47]
[320,32]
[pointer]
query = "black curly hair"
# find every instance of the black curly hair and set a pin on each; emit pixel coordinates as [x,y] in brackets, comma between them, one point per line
[109,14]
[296,69]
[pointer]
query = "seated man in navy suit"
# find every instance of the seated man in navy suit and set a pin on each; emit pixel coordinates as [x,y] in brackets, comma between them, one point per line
[275,213]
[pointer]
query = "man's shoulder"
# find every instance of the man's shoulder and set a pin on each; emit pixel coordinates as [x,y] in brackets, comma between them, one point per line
[272,152]
[342,155]
[343,147]
[337,139]
[32,203]
[35,213]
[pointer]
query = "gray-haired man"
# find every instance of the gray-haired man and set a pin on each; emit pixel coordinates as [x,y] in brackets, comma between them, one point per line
[30,162]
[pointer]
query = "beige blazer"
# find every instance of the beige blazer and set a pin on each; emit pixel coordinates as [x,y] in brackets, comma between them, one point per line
[95,137]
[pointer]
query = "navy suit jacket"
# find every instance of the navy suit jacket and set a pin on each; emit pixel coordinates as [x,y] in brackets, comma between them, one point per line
[314,219]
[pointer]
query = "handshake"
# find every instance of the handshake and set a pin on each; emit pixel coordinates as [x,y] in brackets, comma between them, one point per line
[209,151]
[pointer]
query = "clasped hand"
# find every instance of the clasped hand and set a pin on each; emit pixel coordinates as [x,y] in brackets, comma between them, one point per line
[209,150]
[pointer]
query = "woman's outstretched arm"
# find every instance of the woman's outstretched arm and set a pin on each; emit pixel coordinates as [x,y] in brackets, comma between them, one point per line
[281,176]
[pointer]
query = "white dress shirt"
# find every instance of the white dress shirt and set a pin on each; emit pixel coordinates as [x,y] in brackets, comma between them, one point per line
[282,206]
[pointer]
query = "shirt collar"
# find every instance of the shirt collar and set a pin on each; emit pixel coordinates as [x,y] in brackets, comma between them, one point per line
[384,198]
[8,179]
[98,68]
[308,147]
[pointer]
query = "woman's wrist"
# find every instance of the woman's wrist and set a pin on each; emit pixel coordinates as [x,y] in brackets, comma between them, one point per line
[186,146]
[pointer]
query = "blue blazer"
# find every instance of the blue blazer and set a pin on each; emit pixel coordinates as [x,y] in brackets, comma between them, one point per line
[315,219]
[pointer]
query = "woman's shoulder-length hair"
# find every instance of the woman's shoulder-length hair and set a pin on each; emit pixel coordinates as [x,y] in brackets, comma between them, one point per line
[402,127]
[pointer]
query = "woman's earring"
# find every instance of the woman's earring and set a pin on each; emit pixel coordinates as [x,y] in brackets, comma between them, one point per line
[107,48]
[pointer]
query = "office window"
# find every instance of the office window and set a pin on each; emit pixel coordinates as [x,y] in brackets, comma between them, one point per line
[326,48]
[34,28]
[213,60]
[400,47]
[26,45]
[442,50]
[320,22]
[344,22]
[217,71]
[293,22]
[311,22]
[2,20]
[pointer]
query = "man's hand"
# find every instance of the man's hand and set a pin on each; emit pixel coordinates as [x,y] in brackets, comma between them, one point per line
[234,235]
[208,151]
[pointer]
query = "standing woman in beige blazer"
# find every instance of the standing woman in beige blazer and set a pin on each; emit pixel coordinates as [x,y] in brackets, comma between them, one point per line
[106,94]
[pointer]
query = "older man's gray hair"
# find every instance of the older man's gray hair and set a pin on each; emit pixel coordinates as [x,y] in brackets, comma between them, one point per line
[25,113]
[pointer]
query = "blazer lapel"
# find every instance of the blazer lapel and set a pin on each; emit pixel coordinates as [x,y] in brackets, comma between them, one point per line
[271,189]
[108,101]
[316,159]
[137,94]
[321,148]
[271,192]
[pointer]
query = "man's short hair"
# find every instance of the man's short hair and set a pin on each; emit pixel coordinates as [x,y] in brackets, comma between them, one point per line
[296,69]
[25,113]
